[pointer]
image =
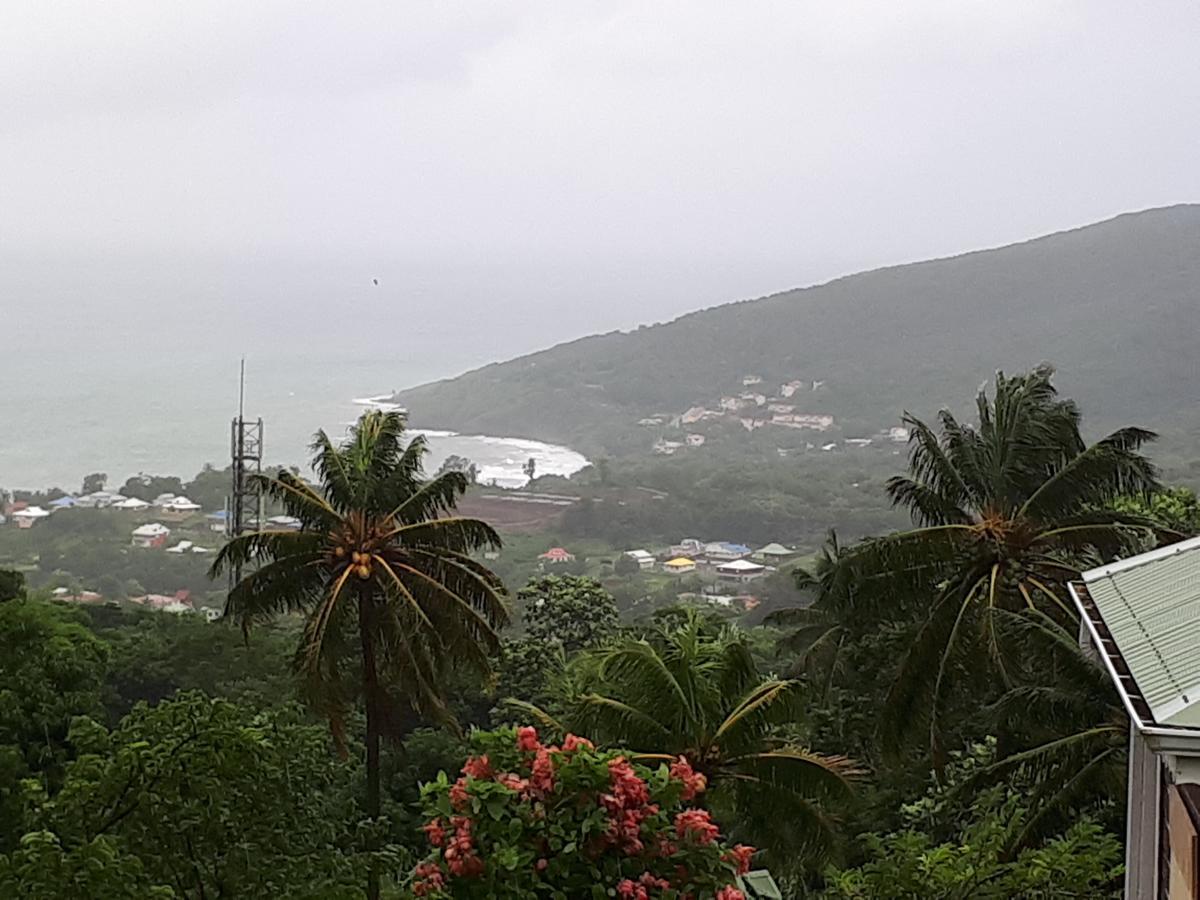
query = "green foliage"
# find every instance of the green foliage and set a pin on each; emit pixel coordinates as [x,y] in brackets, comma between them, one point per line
[626,565]
[43,869]
[530,821]
[573,610]
[12,585]
[528,670]
[910,865]
[93,483]
[1008,512]
[694,690]
[206,796]
[1176,509]
[51,670]
[147,487]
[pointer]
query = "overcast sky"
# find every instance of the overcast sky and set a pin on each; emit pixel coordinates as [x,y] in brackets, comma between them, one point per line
[632,159]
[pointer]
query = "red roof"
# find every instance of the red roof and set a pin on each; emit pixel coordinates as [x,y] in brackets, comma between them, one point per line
[557,554]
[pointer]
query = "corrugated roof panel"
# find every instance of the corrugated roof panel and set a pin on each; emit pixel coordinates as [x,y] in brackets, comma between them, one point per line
[1151,606]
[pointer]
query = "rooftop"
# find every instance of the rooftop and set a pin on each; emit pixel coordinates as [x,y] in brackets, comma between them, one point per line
[1143,614]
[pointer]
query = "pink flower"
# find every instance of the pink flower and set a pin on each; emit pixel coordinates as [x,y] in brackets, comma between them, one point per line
[541,864]
[434,831]
[477,767]
[459,798]
[740,857]
[729,892]
[573,743]
[541,777]
[513,782]
[697,825]
[527,739]
[429,879]
[693,782]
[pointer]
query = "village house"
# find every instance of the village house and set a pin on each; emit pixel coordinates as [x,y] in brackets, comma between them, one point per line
[679,566]
[64,502]
[29,516]
[650,421]
[781,408]
[814,422]
[664,447]
[740,570]
[773,554]
[644,558]
[217,521]
[858,442]
[752,399]
[687,547]
[556,555]
[693,415]
[722,551]
[898,434]
[695,440]
[748,380]
[131,503]
[787,390]
[152,534]
[730,404]
[1141,618]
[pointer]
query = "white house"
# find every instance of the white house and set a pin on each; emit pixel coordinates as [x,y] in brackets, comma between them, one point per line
[741,570]
[152,534]
[1141,618]
[773,553]
[695,440]
[181,505]
[131,503]
[644,558]
[687,547]
[29,516]
[723,551]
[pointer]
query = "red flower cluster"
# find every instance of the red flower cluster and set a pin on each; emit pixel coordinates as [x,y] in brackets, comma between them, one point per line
[729,892]
[460,855]
[428,879]
[693,782]
[477,767]
[640,889]
[573,743]
[628,805]
[740,857]
[435,832]
[527,739]
[698,825]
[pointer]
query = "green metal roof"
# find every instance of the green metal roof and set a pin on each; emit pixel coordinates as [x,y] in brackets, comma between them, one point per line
[1151,606]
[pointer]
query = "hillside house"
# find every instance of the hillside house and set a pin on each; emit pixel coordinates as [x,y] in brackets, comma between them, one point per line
[687,547]
[650,421]
[679,566]
[29,516]
[556,556]
[730,404]
[773,554]
[787,390]
[644,558]
[64,502]
[752,399]
[799,420]
[858,442]
[695,440]
[217,521]
[897,434]
[723,551]
[781,408]
[1141,619]
[748,380]
[693,415]
[741,570]
[152,534]
[131,503]
[664,447]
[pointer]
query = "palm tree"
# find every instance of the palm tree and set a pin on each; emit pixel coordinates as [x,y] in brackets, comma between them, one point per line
[1007,512]
[1071,724]
[689,691]
[383,574]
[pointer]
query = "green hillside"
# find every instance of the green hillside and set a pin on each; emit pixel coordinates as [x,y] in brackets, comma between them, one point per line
[1114,306]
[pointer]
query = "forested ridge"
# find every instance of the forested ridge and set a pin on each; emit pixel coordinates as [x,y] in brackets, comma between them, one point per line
[1111,305]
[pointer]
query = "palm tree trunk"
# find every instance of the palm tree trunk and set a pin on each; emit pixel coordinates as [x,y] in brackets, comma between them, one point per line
[370,688]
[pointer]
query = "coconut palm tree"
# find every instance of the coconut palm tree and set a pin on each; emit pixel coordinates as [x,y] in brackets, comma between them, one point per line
[1007,512]
[690,691]
[382,572]
[1069,727]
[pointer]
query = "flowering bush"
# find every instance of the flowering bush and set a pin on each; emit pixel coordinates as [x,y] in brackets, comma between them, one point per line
[528,820]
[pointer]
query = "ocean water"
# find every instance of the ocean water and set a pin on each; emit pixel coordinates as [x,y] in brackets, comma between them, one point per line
[134,368]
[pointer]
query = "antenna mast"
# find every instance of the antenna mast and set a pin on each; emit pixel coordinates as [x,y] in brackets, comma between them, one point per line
[245,506]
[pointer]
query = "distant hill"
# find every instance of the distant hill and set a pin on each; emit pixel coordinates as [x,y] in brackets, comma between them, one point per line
[1114,306]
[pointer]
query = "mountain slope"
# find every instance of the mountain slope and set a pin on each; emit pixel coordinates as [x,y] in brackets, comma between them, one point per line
[1115,306]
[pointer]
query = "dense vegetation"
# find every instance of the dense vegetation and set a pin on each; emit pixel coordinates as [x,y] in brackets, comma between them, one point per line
[147,755]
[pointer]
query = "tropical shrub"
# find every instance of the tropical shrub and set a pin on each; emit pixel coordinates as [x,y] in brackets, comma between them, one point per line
[529,820]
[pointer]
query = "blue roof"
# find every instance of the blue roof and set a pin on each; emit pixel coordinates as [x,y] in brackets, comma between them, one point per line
[63,502]
[735,548]
[219,514]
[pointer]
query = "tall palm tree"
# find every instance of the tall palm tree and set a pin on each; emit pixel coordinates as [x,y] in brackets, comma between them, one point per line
[1007,512]
[688,691]
[382,572]
[1070,730]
